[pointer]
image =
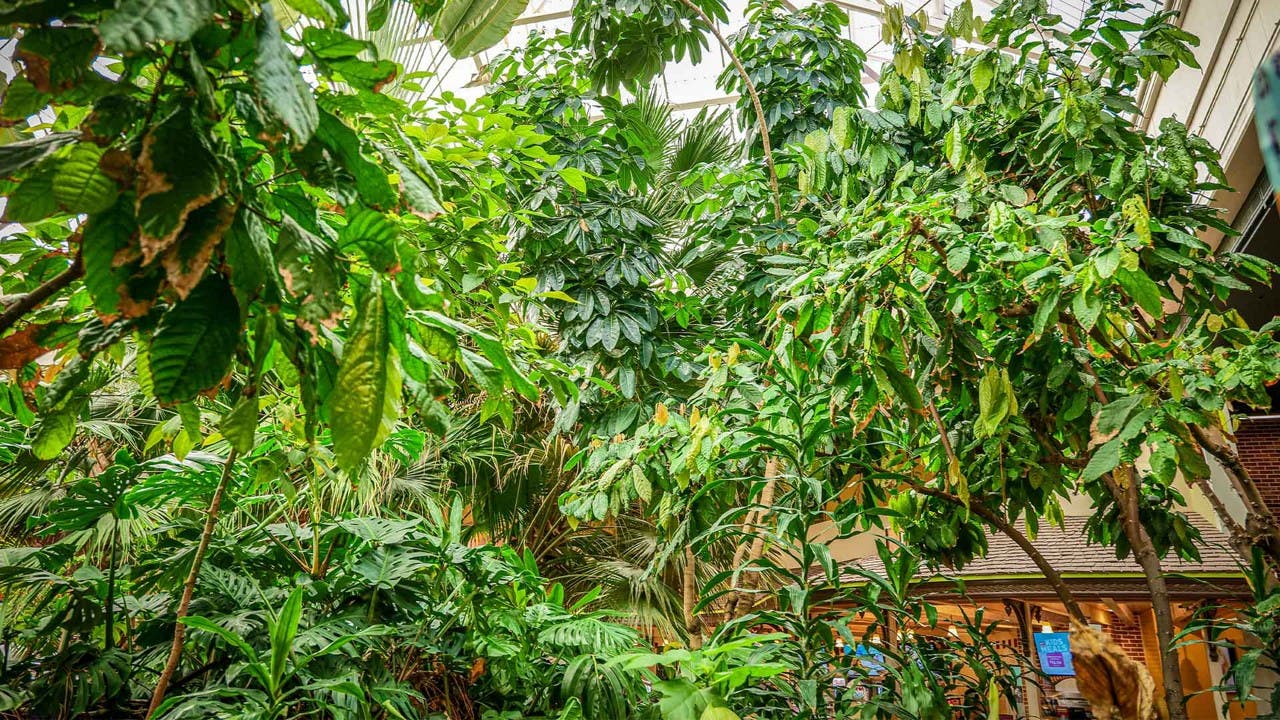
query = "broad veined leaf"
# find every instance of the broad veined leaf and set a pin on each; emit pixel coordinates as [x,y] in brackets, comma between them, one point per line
[18,155]
[996,401]
[379,10]
[327,44]
[322,10]
[192,347]
[1105,459]
[55,432]
[982,73]
[80,186]
[137,23]
[1142,289]
[417,191]
[468,26]
[575,178]
[281,85]
[239,425]
[343,142]
[248,252]
[366,396]
[33,201]
[373,234]
[177,173]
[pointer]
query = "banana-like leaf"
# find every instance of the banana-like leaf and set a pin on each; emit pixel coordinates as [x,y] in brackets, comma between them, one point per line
[468,26]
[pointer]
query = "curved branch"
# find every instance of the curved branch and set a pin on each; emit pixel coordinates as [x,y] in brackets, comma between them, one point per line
[755,102]
[1002,524]
[35,298]
[180,630]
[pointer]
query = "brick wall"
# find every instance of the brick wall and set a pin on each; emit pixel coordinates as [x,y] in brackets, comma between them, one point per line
[1128,636]
[1258,442]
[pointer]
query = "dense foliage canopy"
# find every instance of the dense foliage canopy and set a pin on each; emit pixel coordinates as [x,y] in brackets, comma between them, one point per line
[318,402]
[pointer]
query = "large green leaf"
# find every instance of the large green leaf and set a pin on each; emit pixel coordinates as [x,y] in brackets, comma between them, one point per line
[1104,459]
[238,425]
[248,253]
[366,396]
[80,186]
[192,347]
[136,23]
[55,432]
[33,199]
[416,190]
[344,144]
[326,11]
[468,26]
[283,631]
[282,87]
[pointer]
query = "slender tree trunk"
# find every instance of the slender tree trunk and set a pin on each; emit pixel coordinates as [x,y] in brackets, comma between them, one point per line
[1239,537]
[179,629]
[755,549]
[1126,495]
[690,598]
[755,102]
[1261,527]
[1125,491]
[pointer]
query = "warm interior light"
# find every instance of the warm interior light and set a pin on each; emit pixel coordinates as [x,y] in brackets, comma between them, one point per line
[1046,628]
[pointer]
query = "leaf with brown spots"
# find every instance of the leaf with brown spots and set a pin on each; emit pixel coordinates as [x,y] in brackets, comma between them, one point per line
[185,261]
[177,173]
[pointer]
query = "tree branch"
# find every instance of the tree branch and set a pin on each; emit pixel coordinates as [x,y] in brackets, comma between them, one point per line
[1002,524]
[180,630]
[755,102]
[35,298]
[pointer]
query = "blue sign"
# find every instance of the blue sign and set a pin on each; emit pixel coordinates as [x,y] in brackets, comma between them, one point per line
[871,659]
[1054,650]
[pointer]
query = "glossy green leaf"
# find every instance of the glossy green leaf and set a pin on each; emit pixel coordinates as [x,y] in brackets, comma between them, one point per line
[468,26]
[285,92]
[1105,458]
[192,347]
[80,186]
[239,425]
[55,432]
[137,23]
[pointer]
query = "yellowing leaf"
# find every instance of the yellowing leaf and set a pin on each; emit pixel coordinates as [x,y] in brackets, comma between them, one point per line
[366,397]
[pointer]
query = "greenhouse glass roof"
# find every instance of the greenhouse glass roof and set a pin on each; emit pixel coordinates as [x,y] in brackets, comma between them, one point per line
[686,85]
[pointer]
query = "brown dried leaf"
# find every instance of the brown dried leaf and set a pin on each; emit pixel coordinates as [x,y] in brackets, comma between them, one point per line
[1117,687]
[21,347]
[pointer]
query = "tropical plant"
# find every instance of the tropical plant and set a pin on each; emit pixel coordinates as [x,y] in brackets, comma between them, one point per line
[321,402]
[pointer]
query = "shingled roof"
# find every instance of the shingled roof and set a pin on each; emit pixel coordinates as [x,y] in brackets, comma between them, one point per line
[1069,551]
